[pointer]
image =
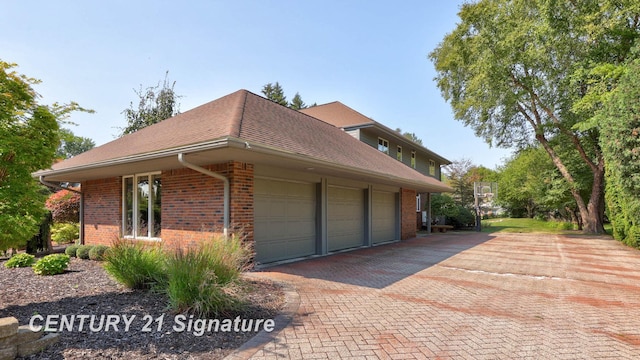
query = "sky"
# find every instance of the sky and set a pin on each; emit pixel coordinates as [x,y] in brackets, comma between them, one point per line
[370,55]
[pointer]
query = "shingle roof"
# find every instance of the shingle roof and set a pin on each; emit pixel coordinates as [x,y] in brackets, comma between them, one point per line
[256,120]
[338,114]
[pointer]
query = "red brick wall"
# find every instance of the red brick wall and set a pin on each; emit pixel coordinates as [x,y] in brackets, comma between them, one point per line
[408,221]
[102,214]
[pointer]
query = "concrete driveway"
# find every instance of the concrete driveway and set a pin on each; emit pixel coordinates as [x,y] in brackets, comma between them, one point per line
[463,296]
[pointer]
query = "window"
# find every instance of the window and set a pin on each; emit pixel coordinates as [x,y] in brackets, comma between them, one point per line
[432,168]
[383,145]
[399,153]
[141,209]
[413,159]
[418,201]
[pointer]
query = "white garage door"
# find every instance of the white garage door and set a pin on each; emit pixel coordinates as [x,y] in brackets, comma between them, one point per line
[384,217]
[345,218]
[285,219]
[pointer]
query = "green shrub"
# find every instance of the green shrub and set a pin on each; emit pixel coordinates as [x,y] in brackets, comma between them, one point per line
[71,250]
[65,233]
[51,264]
[203,281]
[97,252]
[20,260]
[82,252]
[135,266]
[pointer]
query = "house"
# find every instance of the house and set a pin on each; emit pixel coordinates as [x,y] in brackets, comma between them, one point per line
[293,184]
[387,141]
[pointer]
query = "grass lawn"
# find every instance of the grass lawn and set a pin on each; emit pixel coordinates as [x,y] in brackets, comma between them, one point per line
[530,226]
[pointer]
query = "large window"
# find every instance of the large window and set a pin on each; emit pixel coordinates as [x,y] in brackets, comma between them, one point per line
[383,145]
[141,209]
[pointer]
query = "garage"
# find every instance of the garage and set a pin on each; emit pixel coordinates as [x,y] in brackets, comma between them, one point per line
[346,218]
[384,218]
[284,219]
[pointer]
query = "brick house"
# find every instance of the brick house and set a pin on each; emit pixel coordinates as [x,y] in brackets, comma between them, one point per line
[295,185]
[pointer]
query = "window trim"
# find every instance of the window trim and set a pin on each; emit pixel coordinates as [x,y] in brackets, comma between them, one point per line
[399,153]
[134,220]
[413,159]
[381,143]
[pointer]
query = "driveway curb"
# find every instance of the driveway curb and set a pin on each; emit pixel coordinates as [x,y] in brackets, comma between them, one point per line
[292,303]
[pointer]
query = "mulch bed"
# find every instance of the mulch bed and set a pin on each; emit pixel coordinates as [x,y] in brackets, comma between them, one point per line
[86,289]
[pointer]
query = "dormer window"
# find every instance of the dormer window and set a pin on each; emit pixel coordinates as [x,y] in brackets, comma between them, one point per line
[383,145]
[413,159]
[399,154]
[432,168]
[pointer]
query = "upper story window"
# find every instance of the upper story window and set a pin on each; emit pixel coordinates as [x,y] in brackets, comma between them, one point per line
[141,209]
[383,145]
[432,168]
[413,159]
[399,153]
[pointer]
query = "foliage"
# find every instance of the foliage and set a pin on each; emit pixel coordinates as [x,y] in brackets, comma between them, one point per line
[411,136]
[155,104]
[203,280]
[620,141]
[71,250]
[51,264]
[520,72]
[28,140]
[82,252]
[134,265]
[527,226]
[456,215]
[275,93]
[461,174]
[40,241]
[64,206]
[72,145]
[20,260]
[297,103]
[64,233]
[97,252]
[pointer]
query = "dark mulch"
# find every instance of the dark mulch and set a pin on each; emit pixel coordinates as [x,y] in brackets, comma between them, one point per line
[86,289]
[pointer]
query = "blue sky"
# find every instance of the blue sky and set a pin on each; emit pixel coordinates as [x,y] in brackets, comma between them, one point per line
[369,55]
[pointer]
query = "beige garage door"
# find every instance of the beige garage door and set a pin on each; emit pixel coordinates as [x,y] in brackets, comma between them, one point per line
[285,220]
[384,218]
[345,218]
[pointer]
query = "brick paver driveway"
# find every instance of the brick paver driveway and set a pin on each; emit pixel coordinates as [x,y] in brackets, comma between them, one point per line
[475,296]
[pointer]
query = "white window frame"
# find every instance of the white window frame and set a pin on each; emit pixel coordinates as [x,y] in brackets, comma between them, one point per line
[399,153]
[413,159]
[383,145]
[134,220]
[432,167]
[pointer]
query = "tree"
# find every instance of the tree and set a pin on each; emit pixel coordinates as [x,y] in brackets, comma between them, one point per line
[275,93]
[64,206]
[72,145]
[520,72]
[411,136]
[620,142]
[29,137]
[156,103]
[297,103]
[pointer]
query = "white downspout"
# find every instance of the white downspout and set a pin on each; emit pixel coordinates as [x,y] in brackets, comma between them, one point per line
[46,183]
[217,176]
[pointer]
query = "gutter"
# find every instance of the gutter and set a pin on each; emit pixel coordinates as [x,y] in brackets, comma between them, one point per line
[214,175]
[57,186]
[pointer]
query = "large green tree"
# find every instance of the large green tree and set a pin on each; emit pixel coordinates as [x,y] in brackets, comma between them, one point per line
[275,93]
[525,71]
[29,137]
[72,145]
[156,103]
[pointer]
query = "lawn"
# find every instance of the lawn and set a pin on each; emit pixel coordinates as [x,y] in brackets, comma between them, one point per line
[529,226]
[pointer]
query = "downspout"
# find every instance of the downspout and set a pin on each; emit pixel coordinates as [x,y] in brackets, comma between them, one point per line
[57,186]
[217,176]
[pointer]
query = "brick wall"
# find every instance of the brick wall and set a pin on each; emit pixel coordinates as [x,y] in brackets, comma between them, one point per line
[408,220]
[102,210]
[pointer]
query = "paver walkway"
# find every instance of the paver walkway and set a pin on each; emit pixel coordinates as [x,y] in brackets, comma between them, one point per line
[465,296]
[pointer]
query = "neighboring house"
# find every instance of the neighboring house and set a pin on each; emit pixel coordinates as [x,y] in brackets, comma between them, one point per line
[294,185]
[387,141]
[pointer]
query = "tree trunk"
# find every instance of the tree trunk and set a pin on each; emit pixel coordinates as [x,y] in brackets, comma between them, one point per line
[593,217]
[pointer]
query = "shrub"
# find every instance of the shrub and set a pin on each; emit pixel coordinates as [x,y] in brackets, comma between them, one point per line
[51,264]
[82,252]
[64,206]
[71,250]
[203,280]
[97,252]
[64,233]
[20,260]
[135,266]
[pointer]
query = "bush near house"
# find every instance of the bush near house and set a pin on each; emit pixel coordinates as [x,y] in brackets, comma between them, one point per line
[65,233]
[20,260]
[135,266]
[71,250]
[64,206]
[97,252]
[51,264]
[82,252]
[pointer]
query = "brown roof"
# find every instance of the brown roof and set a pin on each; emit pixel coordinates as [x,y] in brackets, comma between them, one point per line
[257,121]
[338,114]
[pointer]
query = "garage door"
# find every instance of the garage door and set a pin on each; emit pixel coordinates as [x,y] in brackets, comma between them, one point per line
[285,219]
[345,218]
[384,217]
